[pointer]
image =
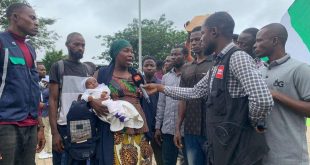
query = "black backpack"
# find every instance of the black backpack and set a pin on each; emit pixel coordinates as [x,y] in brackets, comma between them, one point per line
[81,138]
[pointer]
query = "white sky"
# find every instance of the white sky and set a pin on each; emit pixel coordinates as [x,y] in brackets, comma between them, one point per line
[94,17]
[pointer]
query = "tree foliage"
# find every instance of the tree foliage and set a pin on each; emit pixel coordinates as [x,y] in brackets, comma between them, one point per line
[45,39]
[52,57]
[158,37]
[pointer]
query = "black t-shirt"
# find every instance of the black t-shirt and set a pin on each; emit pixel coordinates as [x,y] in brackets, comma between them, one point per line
[70,69]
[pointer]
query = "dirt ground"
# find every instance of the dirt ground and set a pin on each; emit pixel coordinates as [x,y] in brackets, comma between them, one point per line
[49,161]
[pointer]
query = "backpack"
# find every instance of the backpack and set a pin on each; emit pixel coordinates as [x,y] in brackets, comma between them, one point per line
[81,138]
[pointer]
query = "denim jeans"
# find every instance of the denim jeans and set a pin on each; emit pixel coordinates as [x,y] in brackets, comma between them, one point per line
[169,151]
[157,149]
[195,149]
[63,158]
[17,145]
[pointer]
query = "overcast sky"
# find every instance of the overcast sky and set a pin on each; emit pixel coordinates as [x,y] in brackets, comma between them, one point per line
[94,17]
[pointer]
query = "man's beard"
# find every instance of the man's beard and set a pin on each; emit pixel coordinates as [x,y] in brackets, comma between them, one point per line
[179,64]
[196,53]
[76,55]
[149,74]
[209,49]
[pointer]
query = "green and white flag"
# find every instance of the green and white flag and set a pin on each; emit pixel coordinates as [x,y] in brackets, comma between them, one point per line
[297,22]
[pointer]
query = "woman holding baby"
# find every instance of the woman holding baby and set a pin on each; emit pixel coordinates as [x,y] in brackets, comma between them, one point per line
[128,146]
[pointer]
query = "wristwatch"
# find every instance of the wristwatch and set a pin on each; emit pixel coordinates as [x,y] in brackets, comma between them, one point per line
[261,125]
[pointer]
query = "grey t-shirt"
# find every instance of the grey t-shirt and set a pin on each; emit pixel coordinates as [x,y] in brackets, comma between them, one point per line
[73,76]
[286,129]
[70,68]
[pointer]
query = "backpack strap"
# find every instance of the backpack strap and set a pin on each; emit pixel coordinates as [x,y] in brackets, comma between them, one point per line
[61,70]
[87,69]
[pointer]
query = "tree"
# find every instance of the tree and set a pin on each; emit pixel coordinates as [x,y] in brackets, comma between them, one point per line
[158,37]
[52,57]
[45,39]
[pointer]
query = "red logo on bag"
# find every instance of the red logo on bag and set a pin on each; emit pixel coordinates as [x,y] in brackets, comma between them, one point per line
[220,72]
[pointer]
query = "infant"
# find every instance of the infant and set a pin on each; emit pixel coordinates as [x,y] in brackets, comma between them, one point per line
[121,113]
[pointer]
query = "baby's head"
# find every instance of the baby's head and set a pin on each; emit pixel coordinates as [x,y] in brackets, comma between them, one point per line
[91,83]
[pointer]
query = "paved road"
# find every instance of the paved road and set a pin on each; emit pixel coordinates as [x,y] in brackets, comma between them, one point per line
[49,161]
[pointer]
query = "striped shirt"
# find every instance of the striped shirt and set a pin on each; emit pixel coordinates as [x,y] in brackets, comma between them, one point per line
[167,107]
[244,79]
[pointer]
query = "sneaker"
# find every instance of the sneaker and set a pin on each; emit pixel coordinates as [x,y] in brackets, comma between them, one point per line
[43,155]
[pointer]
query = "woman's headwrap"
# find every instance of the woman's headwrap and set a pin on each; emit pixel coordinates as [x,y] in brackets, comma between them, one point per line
[117,46]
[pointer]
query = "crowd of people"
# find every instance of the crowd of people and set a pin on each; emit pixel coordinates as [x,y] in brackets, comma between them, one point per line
[214,102]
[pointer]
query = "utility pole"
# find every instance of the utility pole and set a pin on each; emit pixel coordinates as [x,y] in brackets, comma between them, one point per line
[140,39]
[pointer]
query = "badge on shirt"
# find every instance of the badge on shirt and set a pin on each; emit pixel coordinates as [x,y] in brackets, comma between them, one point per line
[220,72]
